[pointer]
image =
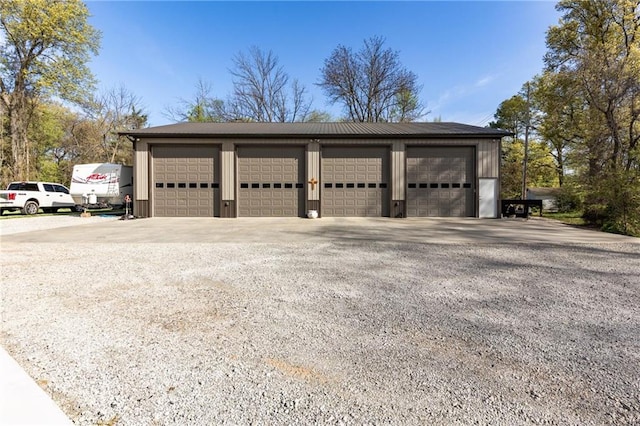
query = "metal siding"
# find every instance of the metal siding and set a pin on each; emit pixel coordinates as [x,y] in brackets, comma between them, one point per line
[313,171]
[488,158]
[141,167]
[188,165]
[355,166]
[228,172]
[262,166]
[141,208]
[398,170]
[432,174]
[484,160]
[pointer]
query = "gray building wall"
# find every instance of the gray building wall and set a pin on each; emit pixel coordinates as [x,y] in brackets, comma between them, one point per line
[487,166]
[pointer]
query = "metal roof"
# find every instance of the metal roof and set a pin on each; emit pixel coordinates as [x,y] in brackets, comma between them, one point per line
[318,130]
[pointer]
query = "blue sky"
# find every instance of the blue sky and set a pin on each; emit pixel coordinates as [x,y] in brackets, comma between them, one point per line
[468,56]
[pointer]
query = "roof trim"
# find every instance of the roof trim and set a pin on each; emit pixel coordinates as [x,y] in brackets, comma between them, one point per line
[317,130]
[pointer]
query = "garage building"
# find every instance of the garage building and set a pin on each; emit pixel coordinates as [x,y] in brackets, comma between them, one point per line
[337,169]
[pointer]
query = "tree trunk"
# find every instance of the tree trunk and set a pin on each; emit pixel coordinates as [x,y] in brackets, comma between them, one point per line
[560,169]
[19,141]
[615,134]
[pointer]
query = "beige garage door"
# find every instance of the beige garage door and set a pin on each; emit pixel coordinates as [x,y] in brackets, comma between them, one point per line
[440,181]
[355,181]
[271,181]
[185,181]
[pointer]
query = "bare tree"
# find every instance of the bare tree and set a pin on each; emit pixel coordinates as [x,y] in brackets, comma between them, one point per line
[371,84]
[263,91]
[203,108]
[110,112]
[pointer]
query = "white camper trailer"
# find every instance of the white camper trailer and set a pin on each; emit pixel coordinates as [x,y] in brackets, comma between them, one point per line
[100,185]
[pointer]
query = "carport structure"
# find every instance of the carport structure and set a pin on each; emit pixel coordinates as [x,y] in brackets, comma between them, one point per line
[337,169]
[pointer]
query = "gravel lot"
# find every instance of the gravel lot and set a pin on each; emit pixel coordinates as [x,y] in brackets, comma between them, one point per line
[37,223]
[340,332]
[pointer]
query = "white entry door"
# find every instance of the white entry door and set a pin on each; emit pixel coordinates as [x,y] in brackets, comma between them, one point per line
[488,198]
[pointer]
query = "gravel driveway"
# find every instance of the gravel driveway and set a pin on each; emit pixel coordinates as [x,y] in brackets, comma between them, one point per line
[335,332]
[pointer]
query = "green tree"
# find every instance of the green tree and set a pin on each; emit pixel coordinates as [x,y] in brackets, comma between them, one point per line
[511,115]
[511,159]
[597,47]
[46,131]
[371,84]
[542,167]
[46,46]
[562,110]
[406,108]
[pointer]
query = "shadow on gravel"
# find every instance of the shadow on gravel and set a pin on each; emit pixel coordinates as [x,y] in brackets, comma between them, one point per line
[501,232]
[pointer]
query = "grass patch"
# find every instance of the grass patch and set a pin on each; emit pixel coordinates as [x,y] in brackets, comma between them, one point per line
[570,218]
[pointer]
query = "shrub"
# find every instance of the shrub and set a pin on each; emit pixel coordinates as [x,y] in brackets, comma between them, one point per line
[569,199]
[613,202]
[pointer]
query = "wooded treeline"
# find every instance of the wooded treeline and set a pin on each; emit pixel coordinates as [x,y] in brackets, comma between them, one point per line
[582,115]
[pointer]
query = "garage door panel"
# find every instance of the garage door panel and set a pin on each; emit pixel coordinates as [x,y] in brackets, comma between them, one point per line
[355,181]
[334,204]
[270,181]
[440,181]
[185,180]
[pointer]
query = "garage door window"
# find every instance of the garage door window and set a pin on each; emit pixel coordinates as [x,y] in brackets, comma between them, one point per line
[190,185]
[275,185]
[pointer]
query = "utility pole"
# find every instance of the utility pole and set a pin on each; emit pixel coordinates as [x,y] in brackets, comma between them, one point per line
[526,146]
